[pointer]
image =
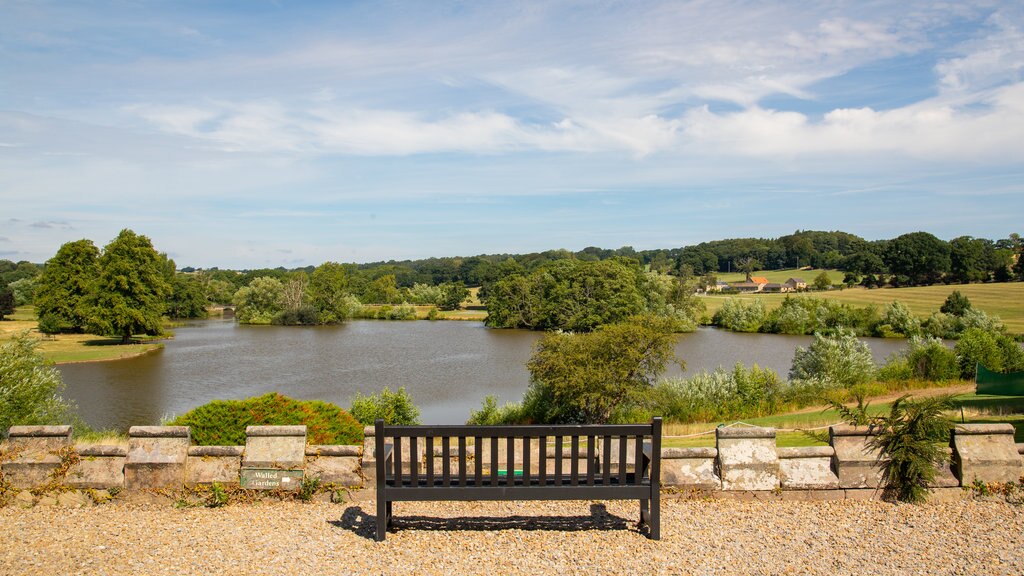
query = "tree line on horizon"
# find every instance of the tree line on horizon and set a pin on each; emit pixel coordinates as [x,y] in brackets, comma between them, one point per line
[913,259]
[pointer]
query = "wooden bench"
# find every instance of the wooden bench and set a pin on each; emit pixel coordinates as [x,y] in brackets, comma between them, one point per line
[407,471]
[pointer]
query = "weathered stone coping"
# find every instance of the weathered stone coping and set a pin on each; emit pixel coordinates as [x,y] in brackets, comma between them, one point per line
[369,431]
[275,430]
[848,430]
[333,450]
[216,451]
[681,453]
[750,432]
[39,431]
[986,429]
[105,450]
[158,432]
[806,452]
[1020,448]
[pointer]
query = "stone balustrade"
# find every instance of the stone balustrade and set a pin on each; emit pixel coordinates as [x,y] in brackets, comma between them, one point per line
[744,460]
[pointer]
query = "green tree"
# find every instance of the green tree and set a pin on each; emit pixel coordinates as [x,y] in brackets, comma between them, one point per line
[6,301]
[187,298]
[260,301]
[383,290]
[24,291]
[30,389]
[956,304]
[839,360]
[917,258]
[328,292]
[131,292]
[822,281]
[63,287]
[452,295]
[587,376]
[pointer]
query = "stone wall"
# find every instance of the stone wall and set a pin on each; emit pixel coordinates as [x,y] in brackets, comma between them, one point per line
[743,461]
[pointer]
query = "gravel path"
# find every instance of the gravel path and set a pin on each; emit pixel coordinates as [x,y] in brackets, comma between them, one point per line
[699,537]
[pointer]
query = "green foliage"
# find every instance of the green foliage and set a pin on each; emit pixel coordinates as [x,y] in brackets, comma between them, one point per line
[6,301]
[396,408]
[913,437]
[30,389]
[995,350]
[929,359]
[740,315]
[223,422]
[588,375]
[131,291]
[383,290]
[217,497]
[567,295]
[898,319]
[260,301]
[24,291]
[425,294]
[452,295]
[490,414]
[717,395]
[187,298]
[917,258]
[956,304]
[822,281]
[839,360]
[308,487]
[66,282]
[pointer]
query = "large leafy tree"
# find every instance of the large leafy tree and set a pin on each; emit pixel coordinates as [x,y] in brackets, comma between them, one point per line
[917,258]
[131,291]
[328,292]
[260,301]
[64,285]
[587,376]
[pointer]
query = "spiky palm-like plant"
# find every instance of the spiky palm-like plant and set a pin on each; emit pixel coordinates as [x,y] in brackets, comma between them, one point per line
[911,436]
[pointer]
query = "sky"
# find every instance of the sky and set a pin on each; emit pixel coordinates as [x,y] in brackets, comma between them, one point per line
[262,134]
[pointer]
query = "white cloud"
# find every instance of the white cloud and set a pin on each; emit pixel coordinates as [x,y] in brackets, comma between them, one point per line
[993,59]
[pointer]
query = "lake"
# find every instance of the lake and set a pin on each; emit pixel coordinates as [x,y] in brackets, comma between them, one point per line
[447,367]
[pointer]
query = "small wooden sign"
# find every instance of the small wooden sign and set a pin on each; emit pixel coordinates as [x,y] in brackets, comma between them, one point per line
[270,479]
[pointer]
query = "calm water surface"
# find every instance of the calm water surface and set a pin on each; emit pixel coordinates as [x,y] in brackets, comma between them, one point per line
[448,367]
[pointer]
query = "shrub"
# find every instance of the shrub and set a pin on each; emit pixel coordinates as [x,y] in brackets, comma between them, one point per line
[490,414]
[740,315]
[223,422]
[716,395]
[302,316]
[29,388]
[977,346]
[912,436]
[956,304]
[836,361]
[930,359]
[396,408]
[900,320]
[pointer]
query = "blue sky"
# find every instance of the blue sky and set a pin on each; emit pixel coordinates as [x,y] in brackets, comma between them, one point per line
[251,134]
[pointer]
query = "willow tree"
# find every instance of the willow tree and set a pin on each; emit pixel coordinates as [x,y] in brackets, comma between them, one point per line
[131,291]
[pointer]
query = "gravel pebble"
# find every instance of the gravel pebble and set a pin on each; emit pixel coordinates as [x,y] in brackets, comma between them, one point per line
[580,537]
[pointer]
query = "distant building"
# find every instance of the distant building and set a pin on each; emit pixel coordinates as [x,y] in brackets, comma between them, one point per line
[774,287]
[718,286]
[759,280]
[746,286]
[796,284]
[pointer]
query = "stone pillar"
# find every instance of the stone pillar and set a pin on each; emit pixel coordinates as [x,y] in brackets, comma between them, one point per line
[986,452]
[335,464]
[369,458]
[209,464]
[274,457]
[855,463]
[156,457]
[807,468]
[747,459]
[690,468]
[100,467]
[34,453]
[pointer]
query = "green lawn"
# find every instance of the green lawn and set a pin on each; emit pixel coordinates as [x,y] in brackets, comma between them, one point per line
[64,348]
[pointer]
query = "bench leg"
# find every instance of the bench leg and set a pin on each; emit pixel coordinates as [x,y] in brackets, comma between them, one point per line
[645,514]
[655,517]
[383,516]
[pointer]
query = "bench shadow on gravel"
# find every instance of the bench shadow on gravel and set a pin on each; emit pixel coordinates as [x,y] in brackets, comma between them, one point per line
[359,522]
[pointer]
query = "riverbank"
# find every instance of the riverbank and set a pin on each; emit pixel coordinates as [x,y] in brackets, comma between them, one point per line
[73,348]
[575,537]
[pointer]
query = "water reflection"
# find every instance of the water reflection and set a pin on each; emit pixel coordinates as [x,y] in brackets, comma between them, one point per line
[448,367]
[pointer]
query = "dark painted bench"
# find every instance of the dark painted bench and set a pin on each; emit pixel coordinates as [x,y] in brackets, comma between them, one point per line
[461,475]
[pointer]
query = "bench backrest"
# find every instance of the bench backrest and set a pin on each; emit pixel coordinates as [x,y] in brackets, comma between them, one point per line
[615,454]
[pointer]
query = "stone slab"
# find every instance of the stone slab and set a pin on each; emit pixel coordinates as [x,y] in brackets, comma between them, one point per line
[99,466]
[854,462]
[156,457]
[209,464]
[986,452]
[812,471]
[747,459]
[343,470]
[281,447]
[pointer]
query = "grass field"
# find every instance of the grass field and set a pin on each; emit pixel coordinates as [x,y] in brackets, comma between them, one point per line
[66,348]
[780,276]
[1005,300]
